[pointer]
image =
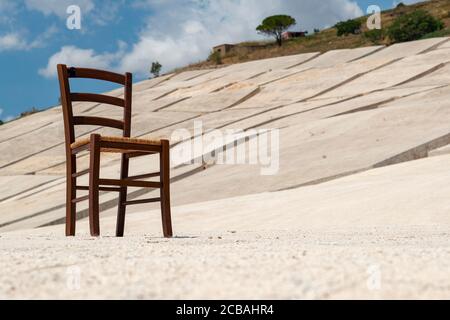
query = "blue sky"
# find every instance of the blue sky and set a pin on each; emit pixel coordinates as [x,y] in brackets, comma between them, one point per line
[127,35]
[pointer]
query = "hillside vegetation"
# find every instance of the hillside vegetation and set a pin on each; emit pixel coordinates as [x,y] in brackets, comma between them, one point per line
[328,39]
[320,41]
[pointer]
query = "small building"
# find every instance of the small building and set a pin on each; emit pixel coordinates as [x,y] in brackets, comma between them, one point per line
[223,49]
[292,35]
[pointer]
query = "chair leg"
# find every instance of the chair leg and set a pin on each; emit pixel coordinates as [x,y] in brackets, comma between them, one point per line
[165,189]
[94,175]
[71,194]
[122,197]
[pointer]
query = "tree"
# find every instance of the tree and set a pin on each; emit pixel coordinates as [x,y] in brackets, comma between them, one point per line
[215,57]
[155,69]
[29,112]
[375,35]
[413,26]
[1,122]
[274,26]
[345,28]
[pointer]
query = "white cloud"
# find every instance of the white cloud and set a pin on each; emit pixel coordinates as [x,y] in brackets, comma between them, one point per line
[58,7]
[99,12]
[88,58]
[178,32]
[6,119]
[107,12]
[42,39]
[12,41]
[16,41]
[8,9]
[183,31]
[7,6]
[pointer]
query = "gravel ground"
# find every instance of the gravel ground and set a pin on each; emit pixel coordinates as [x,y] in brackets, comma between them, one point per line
[395,262]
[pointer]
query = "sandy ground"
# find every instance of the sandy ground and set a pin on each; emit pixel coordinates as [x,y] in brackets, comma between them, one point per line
[383,233]
[395,262]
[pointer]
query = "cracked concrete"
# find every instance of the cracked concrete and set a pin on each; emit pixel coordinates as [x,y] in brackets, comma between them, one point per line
[351,84]
[364,141]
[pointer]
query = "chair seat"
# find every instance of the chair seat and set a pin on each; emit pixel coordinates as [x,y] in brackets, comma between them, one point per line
[84,141]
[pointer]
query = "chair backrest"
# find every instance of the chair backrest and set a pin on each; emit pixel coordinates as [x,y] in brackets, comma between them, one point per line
[67,97]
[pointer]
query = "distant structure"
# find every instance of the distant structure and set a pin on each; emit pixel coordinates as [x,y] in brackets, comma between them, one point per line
[291,35]
[242,49]
[223,49]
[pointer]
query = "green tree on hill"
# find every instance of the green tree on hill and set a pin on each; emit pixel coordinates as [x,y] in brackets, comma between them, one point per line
[413,26]
[29,112]
[274,26]
[344,28]
[155,69]
[375,35]
[215,57]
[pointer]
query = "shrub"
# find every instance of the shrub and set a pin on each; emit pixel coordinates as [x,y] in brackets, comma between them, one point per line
[436,34]
[316,30]
[155,69]
[345,28]
[1,122]
[29,112]
[215,57]
[413,26]
[375,35]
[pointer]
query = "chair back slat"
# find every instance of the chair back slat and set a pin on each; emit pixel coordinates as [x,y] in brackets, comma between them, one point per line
[99,98]
[66,102]
[99,121]
[67,97]
[96,74]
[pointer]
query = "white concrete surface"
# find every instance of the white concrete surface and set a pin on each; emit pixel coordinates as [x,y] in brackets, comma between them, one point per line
[362,182]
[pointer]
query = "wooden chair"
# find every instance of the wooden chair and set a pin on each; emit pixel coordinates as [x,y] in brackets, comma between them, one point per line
[96,144]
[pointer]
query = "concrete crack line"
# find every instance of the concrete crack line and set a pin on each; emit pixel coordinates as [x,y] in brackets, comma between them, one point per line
[25,133]
[347,99]
[432,48]
[345,82]
[199,75]
[377,105]
[110,204]
[138,136]
[423,74]
[28,190]
[318,54]
[165,94]
[415,153]
[367,54]
[171,104]
[41,190]
[38,152]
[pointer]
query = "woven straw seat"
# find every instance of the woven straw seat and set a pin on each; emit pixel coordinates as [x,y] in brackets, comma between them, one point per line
[87,140]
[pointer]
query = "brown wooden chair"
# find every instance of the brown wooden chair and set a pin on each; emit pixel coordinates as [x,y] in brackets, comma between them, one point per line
[96,144]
